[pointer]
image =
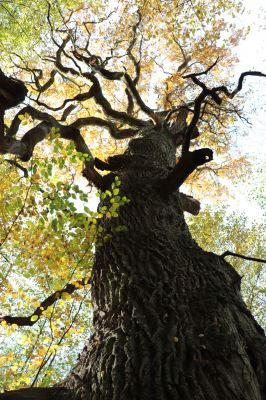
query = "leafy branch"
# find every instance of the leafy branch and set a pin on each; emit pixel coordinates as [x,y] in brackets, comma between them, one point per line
[50,300]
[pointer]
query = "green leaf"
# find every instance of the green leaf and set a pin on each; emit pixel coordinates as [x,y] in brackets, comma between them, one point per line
[54,225]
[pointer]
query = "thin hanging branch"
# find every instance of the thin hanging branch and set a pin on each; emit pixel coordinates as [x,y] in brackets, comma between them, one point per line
[230,253]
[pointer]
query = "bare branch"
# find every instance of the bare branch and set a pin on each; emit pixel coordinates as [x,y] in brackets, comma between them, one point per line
[212,93]
[109,111]
[192,126]
[68,111]
[43,87]
[93,62]
[179,126]
[130,48]
[36,114]
[96,90]
[136,64]
[100,20]
[37,74]
[230,253]
[79,97]
[24,148]
[203,72]
[114,131]
[186,59]
[58,58]
[232,94]
[130,102]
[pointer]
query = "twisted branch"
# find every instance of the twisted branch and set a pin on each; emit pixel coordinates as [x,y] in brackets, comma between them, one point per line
[117,75]
[213,93]
[114,131]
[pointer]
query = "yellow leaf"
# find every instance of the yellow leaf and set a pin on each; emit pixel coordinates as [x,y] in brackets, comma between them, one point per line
[65,296]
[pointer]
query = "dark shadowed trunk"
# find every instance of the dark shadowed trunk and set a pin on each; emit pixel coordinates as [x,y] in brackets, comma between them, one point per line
[169,320]
[168,317]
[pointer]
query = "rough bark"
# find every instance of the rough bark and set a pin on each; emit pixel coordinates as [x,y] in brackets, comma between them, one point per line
[169,320]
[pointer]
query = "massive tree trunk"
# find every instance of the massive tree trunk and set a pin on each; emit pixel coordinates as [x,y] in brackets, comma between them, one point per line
[169,319]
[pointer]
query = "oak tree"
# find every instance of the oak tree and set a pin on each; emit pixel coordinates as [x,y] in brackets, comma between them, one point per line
[169,321]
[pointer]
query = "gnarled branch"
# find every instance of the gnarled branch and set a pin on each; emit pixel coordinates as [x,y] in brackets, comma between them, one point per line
[96,90]
[232,94]
[114,131]
[117,75]
[24,147]
[212,93]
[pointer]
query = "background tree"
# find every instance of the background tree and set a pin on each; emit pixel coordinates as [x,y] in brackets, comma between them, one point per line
[219,230]
[168,317]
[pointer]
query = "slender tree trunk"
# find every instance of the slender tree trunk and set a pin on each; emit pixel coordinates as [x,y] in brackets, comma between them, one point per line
[169,320]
